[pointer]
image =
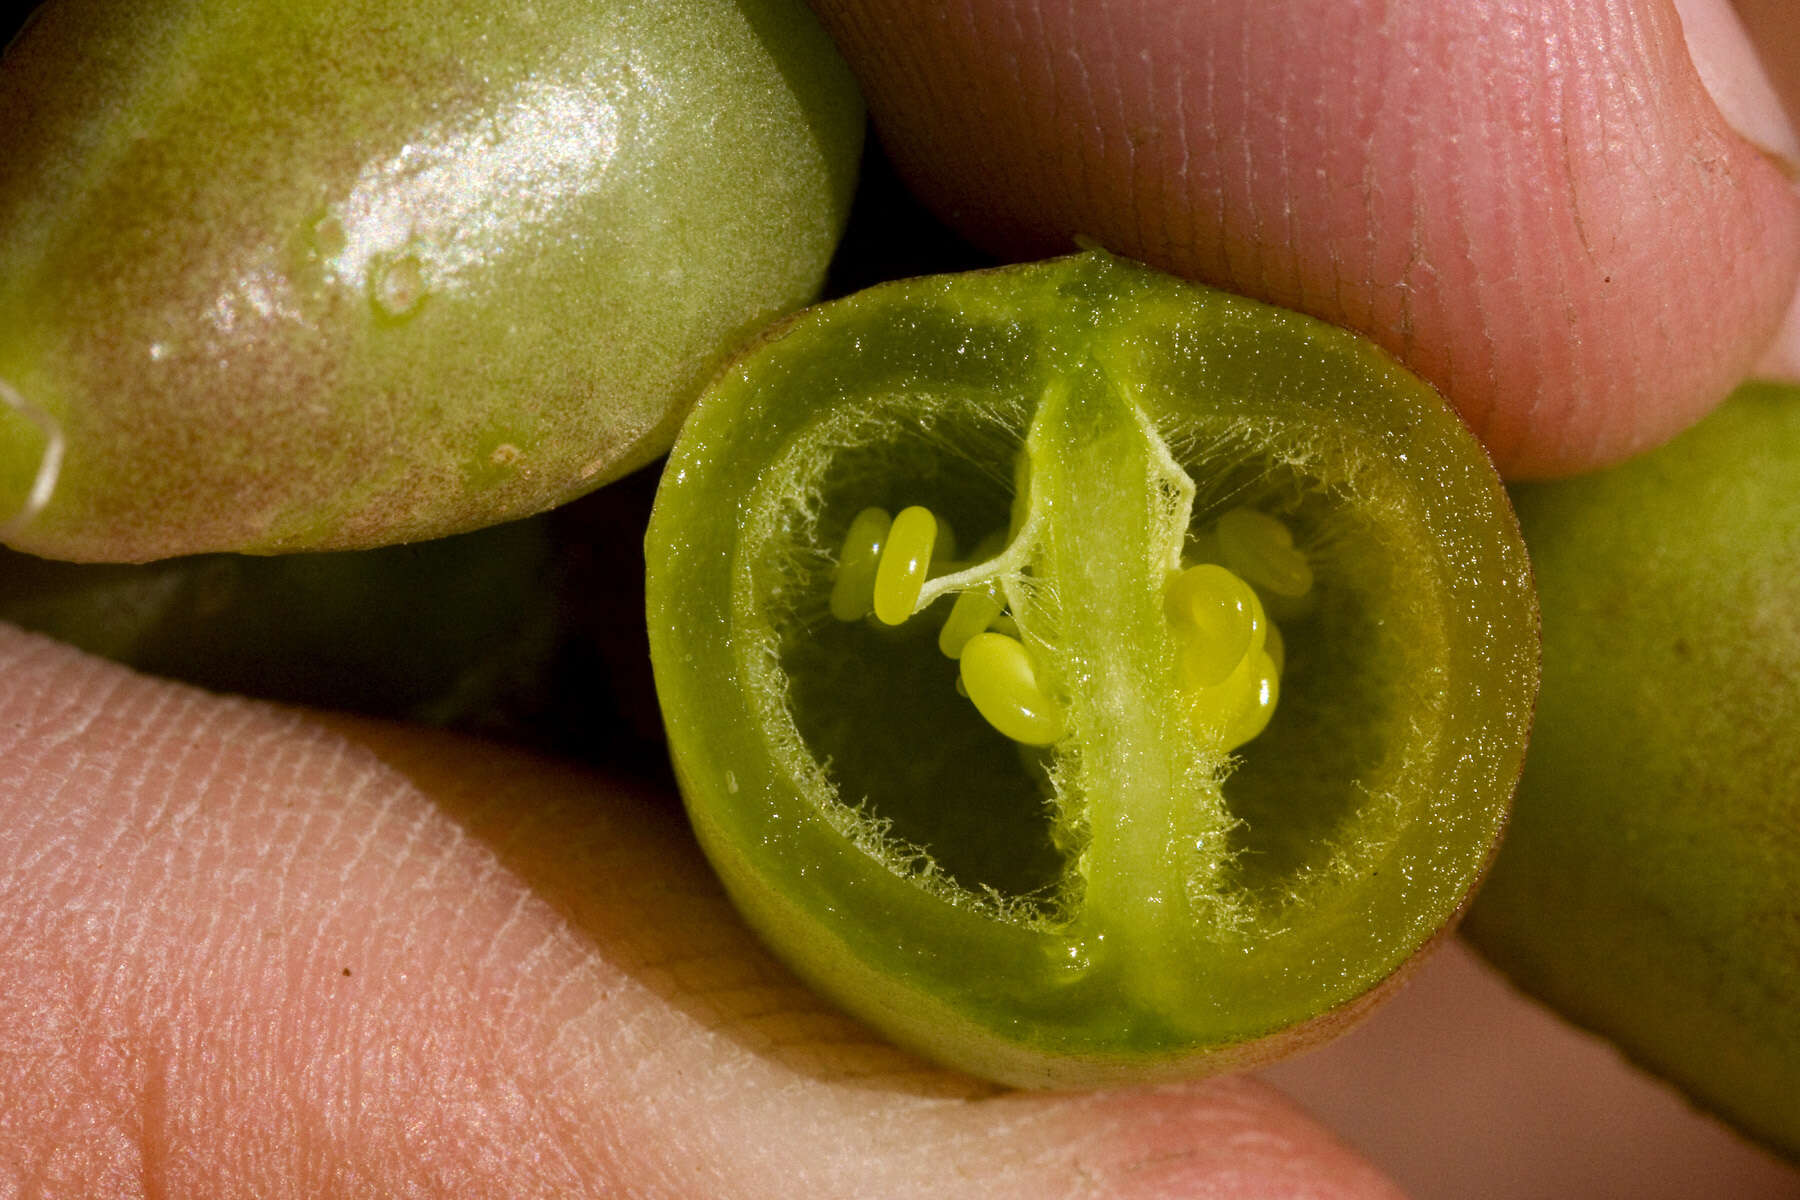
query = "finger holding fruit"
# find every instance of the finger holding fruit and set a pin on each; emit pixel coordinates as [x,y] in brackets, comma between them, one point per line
[418,352]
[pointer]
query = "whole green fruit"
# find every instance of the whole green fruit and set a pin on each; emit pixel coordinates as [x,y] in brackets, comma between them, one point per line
[340,273]
[1649,886]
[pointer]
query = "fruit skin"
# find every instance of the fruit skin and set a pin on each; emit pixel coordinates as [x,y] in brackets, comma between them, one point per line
[1649,885]
[530,632]
[341,274]
[1178,950]
[437,631]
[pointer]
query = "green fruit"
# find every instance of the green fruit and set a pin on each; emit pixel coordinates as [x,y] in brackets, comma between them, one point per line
[1097,866]
[1649,887]
[340,274]
[530,631]
[437,631]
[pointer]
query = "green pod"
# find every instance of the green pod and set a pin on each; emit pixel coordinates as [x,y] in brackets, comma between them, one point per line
[341,274]
[1649,887]
[1134,898]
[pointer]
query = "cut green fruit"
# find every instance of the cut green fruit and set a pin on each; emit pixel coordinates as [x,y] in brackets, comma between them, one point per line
[343,274]
[1088,882]
[1649,887]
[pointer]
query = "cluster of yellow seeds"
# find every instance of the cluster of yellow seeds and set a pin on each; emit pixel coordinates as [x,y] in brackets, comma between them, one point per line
[882,567]
[1230,654]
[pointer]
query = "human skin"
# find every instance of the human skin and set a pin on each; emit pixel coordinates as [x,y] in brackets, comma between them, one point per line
[1536,204]
[546,994]
[252,951]
[256,951]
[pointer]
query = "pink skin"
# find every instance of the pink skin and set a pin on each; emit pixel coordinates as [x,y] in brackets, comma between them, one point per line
[255,952]
[250,951]
[1535,203]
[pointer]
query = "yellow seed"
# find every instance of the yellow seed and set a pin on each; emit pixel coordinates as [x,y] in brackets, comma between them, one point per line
[853,590]
[1002,682]
[972,613]
[1254,716]
[1218,622]
[1212,710]
[905,560]
[1239,707]
[1261,549]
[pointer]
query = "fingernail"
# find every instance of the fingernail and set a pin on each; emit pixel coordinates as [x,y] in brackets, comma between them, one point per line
[1782,361]
[1728,65]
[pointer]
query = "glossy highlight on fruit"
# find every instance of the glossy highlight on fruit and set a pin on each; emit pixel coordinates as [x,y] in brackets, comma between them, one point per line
[1649,887]
[1083,865]
[345,274]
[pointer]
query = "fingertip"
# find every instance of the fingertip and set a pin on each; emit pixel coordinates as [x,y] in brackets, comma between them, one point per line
[1233,1136]
[1462,1078]
[261,951]
[1539,208]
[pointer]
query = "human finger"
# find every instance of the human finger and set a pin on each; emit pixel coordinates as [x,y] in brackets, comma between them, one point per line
[252,951]
[1464,1089]
[1538,205]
